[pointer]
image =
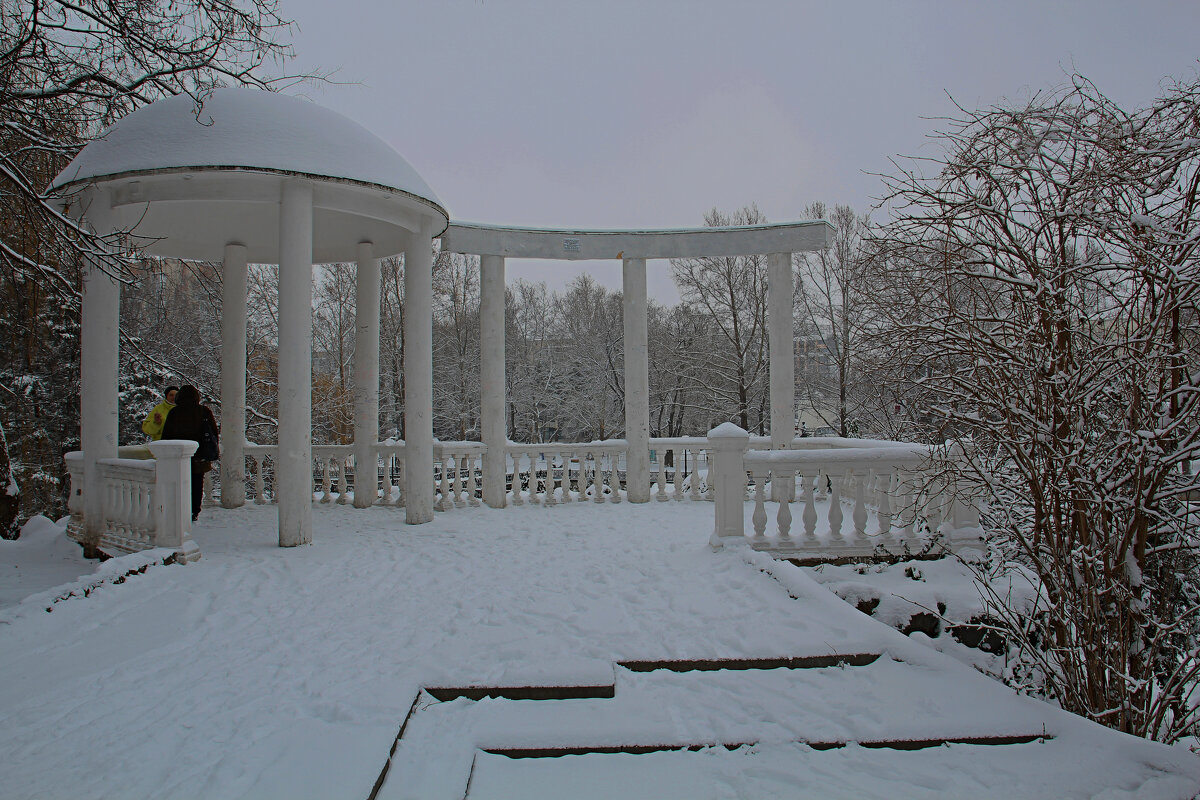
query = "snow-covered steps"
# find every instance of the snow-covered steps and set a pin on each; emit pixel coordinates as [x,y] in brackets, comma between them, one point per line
[822,702]
[786,662]
[641,749]
[1072,767]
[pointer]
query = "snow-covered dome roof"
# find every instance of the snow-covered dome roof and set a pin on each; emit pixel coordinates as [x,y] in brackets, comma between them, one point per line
[234,153]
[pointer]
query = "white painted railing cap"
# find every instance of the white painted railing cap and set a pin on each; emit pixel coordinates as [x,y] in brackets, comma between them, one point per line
[173,448]
[728,430]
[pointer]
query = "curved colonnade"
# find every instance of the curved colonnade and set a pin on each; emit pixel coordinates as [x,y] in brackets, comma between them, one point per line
[256,177]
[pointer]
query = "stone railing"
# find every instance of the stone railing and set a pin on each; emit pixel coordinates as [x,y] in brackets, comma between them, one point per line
[457,474]
[839,503]
[551,473]
[335,477]
[146,500]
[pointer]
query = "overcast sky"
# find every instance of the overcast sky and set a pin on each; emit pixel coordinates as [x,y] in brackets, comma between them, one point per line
[607,114]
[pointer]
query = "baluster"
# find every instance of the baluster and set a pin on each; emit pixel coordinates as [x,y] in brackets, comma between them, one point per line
[835,506]
[343,495]
[759,517]
[907,501]
[116,507]
[884,506]
[391,469]
[325,483]
[135,512]
[142,518]
[472,480]
[444,502]
[534,495]
[148,521]
[568,459]
[708,476]
[131,514]
[517,500]
[678,480]
[860,506]
[124,490]
[615,475]
[551,482]
[809,515]
[693,477]
[565,457]
[783,518]
[597,478]
[457,484]
[206,496]
[401,473]
[660,490]
[391,493]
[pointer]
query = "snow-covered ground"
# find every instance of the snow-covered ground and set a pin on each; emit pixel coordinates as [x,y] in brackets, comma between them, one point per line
[269,673]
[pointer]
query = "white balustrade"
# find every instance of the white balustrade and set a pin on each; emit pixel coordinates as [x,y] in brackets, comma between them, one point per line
[145,502]
[391,456]
[877,501]
[856,498]
[457,477]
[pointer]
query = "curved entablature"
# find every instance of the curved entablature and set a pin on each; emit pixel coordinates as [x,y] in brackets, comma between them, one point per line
[581,245]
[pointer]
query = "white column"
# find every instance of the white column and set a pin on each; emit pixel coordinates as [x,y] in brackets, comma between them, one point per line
[783,358]
[293,468]
[637,380]
[780,343]
[492,397]
[366,376]
[418,376]
[233,376]
[99,336]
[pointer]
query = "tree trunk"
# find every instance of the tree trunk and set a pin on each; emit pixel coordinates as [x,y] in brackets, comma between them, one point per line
[10,494]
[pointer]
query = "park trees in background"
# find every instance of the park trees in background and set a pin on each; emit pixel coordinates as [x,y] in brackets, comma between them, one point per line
[835,303]
[456,346]
[731,293]
[1049,276]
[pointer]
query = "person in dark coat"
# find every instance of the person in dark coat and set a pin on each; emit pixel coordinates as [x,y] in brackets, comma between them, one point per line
[186,421]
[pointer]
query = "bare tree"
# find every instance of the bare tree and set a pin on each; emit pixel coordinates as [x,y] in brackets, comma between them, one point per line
[732,292]
[66,71]
[589,343]
[456,345]
[391,348]
[837,295]
[1050,267]
[334,314]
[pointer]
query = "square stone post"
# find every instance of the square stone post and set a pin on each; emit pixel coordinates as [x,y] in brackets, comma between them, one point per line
[173,497]
[233,376]
[728,443]
[492,396]
[366,376]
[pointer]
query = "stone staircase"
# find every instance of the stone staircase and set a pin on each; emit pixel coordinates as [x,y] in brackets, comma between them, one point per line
[535,738]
